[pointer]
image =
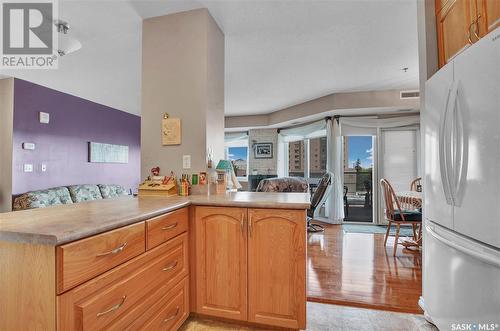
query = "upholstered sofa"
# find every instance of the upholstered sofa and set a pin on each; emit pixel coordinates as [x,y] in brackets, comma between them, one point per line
[67,195]
[283,184]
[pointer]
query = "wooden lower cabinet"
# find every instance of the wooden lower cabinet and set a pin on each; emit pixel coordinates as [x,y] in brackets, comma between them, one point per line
[277,267]
[241,264]
[115,299]
[221,262]
[251,265]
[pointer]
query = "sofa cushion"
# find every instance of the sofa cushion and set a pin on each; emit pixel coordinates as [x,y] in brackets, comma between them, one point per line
[111,191]
[80,193]
[43,198]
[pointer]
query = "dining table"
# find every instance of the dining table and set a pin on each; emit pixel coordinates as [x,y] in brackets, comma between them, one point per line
[411,200]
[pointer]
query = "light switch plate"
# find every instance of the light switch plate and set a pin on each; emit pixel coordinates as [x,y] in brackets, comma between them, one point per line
[44,117]
[28,167]
[30,146]
[186,161]
[43,167]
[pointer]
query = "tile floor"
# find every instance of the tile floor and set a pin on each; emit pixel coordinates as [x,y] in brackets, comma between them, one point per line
[325,317]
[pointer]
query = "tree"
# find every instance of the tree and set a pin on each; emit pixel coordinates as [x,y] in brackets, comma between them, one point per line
[357,165]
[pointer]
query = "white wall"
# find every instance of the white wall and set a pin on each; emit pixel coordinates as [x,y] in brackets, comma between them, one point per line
[263,166]
[183,75]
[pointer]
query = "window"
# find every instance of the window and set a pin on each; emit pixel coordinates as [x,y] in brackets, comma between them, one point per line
[237,153]
[307,158]
[317,157]
[296,158]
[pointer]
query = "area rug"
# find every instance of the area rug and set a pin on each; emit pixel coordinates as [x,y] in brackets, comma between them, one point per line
[404,231]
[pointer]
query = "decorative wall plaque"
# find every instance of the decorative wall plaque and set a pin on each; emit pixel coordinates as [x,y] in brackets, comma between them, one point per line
[171,131]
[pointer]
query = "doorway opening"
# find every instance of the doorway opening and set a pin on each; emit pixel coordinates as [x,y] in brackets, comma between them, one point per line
[358,179]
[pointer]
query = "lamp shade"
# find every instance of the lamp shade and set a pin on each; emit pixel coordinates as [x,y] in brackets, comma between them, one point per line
[224,165]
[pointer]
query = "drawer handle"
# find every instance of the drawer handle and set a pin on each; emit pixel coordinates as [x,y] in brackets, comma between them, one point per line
[173,316]
[170,267]
[114,251]
[112,309]
[170,227]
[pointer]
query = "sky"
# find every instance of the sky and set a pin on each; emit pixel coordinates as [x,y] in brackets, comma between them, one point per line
[360,147]
[235,153]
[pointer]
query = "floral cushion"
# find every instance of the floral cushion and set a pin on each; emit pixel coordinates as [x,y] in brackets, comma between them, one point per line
[42,198]
[111,191]
[283,184]
[80,193]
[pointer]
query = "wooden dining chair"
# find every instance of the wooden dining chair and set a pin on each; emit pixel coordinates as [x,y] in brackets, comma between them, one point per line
[415,183]
[395,214]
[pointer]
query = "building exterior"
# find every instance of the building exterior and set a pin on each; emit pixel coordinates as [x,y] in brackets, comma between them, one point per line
[317,157]
[296,158]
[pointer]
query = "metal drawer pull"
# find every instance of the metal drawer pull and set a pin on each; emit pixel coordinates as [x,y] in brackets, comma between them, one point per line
[170,267]
[114,251]
[170,227]
[112,309]
[172,317]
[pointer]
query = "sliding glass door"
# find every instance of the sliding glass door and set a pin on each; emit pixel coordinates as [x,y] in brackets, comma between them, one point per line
[358,178]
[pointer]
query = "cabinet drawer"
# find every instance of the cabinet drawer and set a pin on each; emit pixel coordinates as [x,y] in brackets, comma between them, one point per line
[167,313]
[84,259]
[165,227]
[117,298]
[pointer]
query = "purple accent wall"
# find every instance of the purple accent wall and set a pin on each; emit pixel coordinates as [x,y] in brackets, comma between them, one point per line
[63,143]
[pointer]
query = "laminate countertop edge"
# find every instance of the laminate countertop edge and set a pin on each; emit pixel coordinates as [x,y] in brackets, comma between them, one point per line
[50,226]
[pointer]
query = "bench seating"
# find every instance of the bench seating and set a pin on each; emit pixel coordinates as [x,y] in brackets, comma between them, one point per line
[66,195]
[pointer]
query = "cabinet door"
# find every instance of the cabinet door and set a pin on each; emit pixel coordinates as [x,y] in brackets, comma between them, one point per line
[221,262]
[277,267]
[453,22]
[490,15]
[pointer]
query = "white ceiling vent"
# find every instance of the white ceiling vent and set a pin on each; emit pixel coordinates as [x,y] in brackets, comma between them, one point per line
[409,94]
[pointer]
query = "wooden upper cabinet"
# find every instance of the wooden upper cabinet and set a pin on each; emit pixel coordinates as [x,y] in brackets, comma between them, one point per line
[489,19]
[460,23]
[221,262]
[454,27]
[277,267]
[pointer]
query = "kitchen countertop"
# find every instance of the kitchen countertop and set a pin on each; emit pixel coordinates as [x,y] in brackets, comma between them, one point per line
[65,223]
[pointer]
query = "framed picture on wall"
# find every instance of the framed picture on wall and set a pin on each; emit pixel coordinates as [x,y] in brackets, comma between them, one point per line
[263,151]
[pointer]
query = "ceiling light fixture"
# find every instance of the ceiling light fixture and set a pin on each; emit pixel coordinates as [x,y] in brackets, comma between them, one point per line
[67,44]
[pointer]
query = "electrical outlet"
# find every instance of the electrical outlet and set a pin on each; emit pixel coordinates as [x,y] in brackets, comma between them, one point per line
[44,117]
[30,146]
[28,167]
[186,161]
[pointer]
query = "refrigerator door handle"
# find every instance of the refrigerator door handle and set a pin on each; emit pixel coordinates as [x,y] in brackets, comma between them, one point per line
[465,245]
[461,148]
[451,150]
[443,150]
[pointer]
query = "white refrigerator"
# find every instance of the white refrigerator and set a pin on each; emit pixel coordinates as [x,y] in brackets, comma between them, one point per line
[461,248]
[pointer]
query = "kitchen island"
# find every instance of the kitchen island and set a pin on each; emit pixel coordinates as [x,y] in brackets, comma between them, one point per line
[149,262]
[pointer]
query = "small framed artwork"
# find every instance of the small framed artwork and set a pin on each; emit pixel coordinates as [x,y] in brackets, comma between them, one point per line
[263,151]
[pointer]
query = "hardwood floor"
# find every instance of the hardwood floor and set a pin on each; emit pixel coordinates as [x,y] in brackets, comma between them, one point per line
[355,269]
